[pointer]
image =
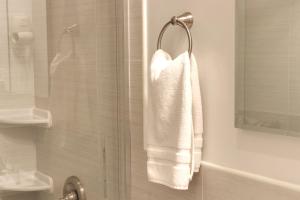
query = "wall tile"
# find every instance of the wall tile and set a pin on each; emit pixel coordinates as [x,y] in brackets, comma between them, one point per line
[219,185]
[83,100]
[18,152]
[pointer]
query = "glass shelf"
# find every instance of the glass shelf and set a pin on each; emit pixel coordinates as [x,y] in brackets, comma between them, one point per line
[26,182]
[25,117]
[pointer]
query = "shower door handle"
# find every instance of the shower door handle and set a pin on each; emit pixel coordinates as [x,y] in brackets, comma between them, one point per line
[70,196]
[73,189]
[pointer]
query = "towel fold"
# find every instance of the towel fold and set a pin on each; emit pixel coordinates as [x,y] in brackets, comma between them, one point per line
[173,120]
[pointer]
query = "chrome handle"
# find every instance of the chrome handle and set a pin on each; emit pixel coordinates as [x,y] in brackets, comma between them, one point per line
[70,196]
[73,189]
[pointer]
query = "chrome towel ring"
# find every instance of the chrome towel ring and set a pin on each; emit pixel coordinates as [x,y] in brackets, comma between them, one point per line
[185,21]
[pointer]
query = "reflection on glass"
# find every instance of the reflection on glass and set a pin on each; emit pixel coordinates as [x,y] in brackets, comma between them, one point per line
[4,57]
[23,53]
[268,65]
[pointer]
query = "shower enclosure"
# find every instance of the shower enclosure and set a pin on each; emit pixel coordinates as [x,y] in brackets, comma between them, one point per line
[63,98]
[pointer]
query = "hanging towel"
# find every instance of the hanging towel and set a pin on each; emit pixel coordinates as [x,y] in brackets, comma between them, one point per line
[173,120]
[197,115]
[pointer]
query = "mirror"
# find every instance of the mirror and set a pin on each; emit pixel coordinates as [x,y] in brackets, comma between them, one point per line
[268,66]
[23,53]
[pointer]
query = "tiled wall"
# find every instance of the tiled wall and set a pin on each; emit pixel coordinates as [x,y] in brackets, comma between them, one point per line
[4,64]
[17,145]
[16,64]
[40,57]
[17,148]
[17,196]
[17,61]
[21,56]
[82,99]
[18,153]
[220,184]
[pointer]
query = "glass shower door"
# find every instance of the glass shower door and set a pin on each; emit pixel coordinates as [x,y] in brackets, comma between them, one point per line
[63,54]
[83,98]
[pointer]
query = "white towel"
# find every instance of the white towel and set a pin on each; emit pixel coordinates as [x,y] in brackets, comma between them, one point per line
[197,114]
[173,120]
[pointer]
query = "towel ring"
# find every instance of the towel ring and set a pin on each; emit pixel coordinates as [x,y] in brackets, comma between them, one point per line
[186,22]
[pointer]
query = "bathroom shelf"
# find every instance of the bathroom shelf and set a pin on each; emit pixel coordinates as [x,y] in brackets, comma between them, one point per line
[25,117]
[26,182]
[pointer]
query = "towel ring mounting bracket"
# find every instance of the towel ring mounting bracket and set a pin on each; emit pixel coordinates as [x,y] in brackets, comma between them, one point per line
[185,21]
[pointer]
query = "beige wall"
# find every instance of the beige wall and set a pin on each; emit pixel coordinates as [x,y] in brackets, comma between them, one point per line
[238,150]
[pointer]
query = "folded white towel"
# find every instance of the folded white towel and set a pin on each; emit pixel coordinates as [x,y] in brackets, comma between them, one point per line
[173,120]
[197,114]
